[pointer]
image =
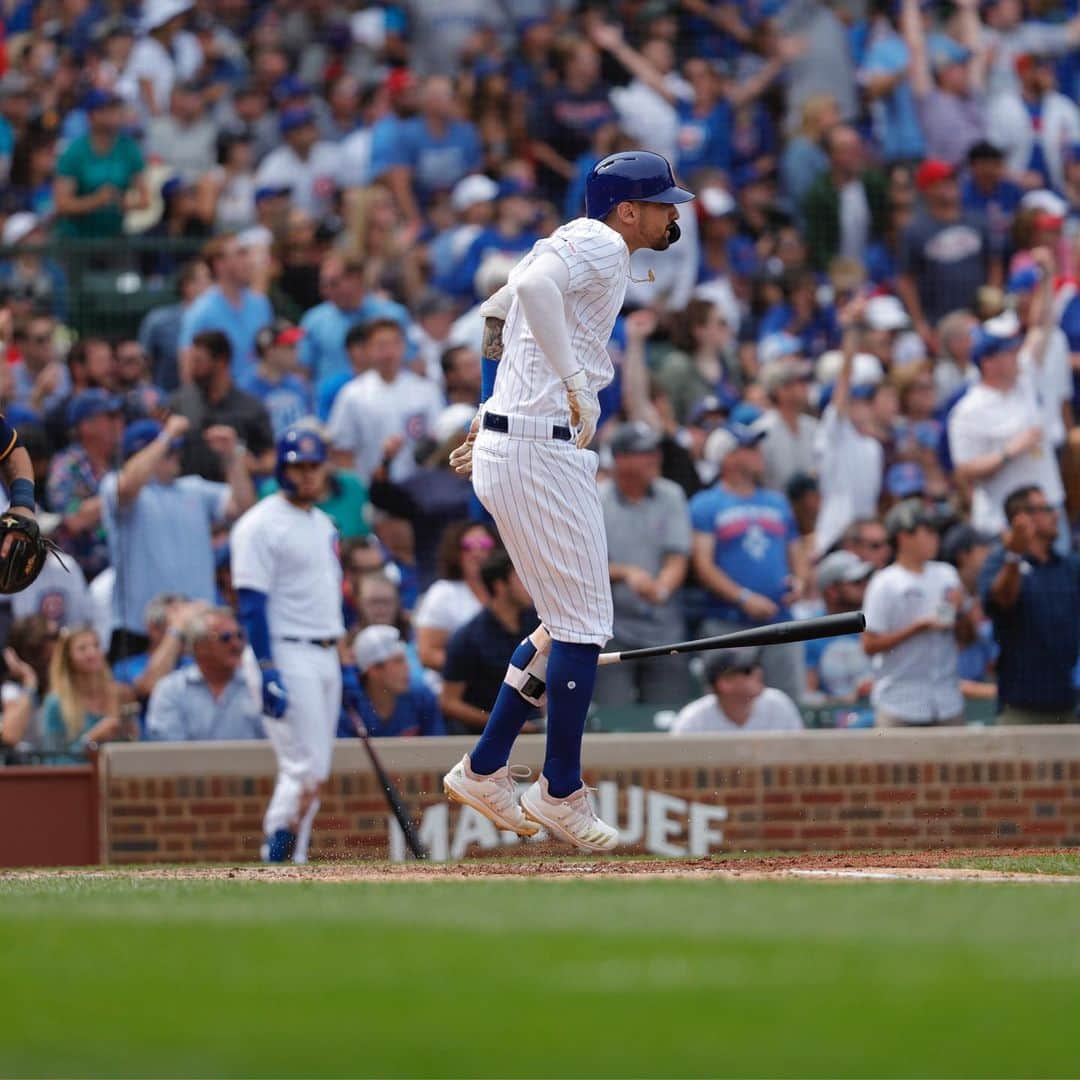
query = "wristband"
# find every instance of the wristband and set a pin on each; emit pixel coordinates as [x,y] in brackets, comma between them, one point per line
[1013,558]
[21,493]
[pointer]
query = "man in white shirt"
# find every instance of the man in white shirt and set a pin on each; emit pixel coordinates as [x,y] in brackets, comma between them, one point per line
[309,167]
[739,701]
[914,614]
[379,417]
[788,446]
[996,435]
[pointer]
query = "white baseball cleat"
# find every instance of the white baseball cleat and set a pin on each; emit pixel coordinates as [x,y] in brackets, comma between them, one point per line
[572,819]
[494,796]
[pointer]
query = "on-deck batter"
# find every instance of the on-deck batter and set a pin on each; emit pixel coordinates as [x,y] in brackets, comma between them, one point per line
[532,471]
[287,575]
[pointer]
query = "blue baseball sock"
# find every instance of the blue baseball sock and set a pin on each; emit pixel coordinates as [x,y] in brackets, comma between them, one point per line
[571,675]
[504,724]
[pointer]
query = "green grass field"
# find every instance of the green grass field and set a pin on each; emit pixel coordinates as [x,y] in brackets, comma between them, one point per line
[526,977]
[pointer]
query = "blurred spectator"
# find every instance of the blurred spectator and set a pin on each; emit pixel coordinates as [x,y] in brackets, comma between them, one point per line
[229,305]
[132,382]
[39,379]
[27,656]
[946,253]
[99,175]
[29,272]
[159,332]
[837,668]
[996,434]
[231,184]
[309,167]
[803,160]
[844,208]
[746,552]
[144,501]
[700,363]
[914,614]
[380,416]
[184,138]
[988,191]
[211,401]
[96,420]
[209,699]
[1031,594]
[968,550]
[739,701]
[804,494]
[162,54]
[91,365]
[380,694]
[477,653]
[285,396]
[648,537]
[460,370]
[166,616]
[789,432]
[59,593]
[84,702]
[459,593]
[1036,126]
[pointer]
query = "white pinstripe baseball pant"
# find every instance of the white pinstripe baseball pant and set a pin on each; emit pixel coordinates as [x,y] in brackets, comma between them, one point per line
[542,494]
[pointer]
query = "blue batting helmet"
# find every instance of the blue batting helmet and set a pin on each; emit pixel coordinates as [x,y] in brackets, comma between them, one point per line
[630,176]
[296,446]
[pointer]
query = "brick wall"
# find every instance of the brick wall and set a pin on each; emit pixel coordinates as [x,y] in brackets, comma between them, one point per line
[835,790]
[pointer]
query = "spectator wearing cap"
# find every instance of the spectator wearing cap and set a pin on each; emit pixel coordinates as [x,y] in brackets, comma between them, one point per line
[211,401]
[209,700]
[380,417]
[185,137]
[1031,593]
[648,537]
[96,420]
[746,552]
[100,175]
[309,167]
[163,53]
[28,271]
[968,549]
[435,312]
[144,501]
[845,208]
[1035,126]
[866,537]
[988,191]
[904,480]
[698,367]
[789,430]
[948,84]
[346,304]
[838,669]
[850,459]
[275,383]
[946,253]
[996,436]
[1011,32]
[914,615]
[429,152]
[159,331]
[478,653]
[473,203]
[739,699]
[379,692]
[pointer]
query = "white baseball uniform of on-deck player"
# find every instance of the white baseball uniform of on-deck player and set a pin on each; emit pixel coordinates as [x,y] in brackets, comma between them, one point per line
[291,555]
[542,491]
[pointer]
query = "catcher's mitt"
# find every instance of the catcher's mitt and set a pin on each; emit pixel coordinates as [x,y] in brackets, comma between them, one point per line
[26,553]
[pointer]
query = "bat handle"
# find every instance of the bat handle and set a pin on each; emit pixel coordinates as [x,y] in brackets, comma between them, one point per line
[608,658]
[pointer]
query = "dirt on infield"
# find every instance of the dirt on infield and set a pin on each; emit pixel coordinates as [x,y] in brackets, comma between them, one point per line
[553,863]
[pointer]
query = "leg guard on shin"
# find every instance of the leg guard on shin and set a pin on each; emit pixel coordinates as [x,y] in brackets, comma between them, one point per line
[527,672]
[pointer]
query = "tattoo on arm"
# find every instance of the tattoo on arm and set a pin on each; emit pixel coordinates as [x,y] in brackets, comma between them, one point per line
[493,342]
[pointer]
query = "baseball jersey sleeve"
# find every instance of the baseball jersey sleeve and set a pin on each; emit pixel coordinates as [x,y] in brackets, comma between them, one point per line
[250,555]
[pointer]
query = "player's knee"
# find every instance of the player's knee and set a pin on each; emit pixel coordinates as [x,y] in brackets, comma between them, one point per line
[527,672]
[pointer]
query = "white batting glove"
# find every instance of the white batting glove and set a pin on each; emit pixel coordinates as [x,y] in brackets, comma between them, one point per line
[461,458]
[584,408]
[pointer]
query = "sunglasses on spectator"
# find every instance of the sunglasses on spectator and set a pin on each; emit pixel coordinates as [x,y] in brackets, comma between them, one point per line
[1037,510]
[227,636]
[477,543]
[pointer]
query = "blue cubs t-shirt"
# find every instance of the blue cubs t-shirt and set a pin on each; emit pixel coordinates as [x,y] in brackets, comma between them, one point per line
[752,533]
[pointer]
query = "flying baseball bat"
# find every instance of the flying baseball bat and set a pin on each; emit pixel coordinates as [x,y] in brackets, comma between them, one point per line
[850,622]
[393,799]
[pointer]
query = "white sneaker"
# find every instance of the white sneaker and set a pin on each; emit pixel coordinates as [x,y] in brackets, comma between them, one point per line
[494,796]
[572,819]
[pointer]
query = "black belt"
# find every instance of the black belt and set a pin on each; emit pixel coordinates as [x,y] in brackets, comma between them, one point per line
[323,643]
[494,421]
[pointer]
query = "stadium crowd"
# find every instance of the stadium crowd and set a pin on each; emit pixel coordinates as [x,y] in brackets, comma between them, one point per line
[852,384]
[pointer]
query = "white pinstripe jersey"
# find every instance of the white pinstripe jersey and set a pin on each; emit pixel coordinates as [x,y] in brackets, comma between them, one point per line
[599,264]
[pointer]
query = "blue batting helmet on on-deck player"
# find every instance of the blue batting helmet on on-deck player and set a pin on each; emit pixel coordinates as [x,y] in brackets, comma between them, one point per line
[296,446]
[630,176]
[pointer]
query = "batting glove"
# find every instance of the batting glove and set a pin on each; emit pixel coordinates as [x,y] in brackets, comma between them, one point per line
[461,458]
[584,408]
[274,699]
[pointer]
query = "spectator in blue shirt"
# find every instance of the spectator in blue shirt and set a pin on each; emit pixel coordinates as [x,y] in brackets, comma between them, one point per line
[284,395]
[884,79]
[988,191]
[342,283]
[1032,594]
[430,152]
[746,550]
[229,305]
[379,691]
[159,332]
[209,699]
[705,122]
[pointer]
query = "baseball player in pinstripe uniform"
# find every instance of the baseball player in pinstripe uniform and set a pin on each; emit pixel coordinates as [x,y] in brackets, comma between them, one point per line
[532,470]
